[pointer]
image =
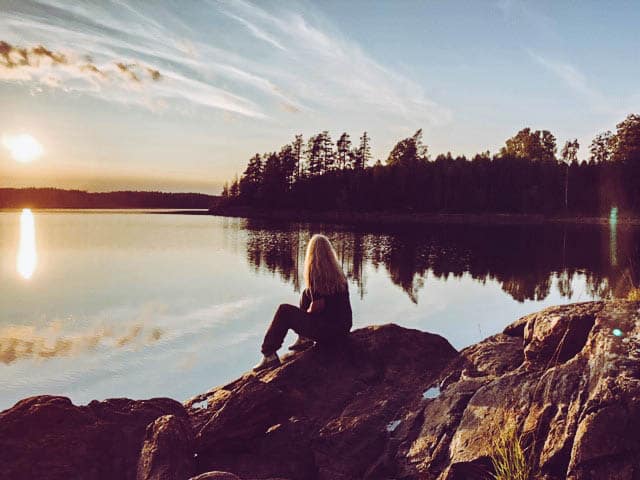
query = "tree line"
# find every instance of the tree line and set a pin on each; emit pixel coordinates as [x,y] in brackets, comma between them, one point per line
[59,198]
[527,175]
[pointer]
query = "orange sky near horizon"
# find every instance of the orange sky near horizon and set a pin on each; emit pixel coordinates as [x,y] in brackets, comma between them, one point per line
[43,172]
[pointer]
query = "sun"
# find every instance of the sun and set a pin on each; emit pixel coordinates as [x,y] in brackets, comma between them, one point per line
[23,147]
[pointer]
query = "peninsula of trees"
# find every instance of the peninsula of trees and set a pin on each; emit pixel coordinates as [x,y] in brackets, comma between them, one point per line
[527,176]
[58,198]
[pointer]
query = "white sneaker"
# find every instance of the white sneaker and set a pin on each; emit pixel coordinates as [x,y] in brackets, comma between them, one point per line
[268,361]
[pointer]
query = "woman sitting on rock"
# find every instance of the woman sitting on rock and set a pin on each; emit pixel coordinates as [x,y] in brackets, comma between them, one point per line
[324,315]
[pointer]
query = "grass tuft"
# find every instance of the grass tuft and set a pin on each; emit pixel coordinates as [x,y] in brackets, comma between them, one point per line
[634,294]
[509,459]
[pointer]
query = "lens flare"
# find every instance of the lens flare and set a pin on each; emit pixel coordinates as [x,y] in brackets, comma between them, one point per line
[27,256]
[613,236]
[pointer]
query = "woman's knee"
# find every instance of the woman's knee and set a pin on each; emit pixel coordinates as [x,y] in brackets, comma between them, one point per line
[284,309]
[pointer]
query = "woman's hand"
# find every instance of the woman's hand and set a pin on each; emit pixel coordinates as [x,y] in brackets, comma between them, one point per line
[316,306]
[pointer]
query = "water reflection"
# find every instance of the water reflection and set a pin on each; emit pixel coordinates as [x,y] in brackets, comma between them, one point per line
[27,256]
[128,304]
[613,236]
[613,244]
[21,342]
[527,261]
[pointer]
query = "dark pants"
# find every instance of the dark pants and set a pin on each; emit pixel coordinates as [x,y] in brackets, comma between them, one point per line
[305,324]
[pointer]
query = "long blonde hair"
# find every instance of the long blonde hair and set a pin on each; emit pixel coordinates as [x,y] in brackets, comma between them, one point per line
[322,272]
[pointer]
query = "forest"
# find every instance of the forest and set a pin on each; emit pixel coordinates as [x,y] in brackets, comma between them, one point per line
[528,175]
[59,198]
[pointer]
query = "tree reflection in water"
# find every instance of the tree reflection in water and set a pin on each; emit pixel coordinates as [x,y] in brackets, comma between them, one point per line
[527,261]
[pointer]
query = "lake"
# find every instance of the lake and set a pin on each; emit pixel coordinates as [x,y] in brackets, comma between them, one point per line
[98,304]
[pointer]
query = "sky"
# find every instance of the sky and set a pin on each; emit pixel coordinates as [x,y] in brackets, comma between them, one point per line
[177,96]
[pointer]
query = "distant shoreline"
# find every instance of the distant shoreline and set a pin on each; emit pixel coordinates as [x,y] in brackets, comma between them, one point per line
[351,218]
[56,198]
[198,211]
[405,218]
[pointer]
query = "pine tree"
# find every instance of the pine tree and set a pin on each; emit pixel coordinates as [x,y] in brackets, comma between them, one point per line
[274,180]
[328,155]
[234,189]
[363,152]
[601,149]
[251,178]
[314,152]
[288,164]
[344,151]
[298,146]
[569,155]
[253,172]
[627,140]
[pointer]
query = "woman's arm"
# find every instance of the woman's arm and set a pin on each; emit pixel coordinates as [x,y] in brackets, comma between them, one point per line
[316,306]
[305,300]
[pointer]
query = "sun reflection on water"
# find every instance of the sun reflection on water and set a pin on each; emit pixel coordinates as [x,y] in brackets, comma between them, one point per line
[27,257]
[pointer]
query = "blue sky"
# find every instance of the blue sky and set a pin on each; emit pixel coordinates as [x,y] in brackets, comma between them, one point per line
[178,95]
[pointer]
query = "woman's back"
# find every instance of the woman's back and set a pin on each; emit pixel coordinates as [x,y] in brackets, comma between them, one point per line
[337,307]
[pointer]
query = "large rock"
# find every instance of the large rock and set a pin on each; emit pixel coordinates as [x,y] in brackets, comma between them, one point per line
[325,413]
[48,437]
[167,452]
[574,398]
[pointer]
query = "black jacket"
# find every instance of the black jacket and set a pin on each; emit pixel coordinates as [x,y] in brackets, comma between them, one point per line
[337,308]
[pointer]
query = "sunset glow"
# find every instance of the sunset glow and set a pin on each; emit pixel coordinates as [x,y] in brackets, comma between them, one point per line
[23,148]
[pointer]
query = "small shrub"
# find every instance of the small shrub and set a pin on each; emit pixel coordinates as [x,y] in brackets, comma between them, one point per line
[510,460]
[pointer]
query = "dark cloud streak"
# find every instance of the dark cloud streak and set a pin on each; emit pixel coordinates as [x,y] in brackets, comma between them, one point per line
[154,74]
[90,67]
[15,57]
[127,71]
[45,52]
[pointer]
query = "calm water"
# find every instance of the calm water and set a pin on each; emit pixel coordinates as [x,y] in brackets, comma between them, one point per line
[99,305]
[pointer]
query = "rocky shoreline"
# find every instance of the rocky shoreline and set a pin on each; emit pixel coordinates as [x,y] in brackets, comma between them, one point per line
[389,403]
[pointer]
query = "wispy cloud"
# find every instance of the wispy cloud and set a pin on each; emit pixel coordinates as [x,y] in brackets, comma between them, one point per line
[207,56]
[257,32]
[576,81]
[524,13]
[325,69]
